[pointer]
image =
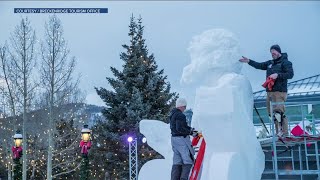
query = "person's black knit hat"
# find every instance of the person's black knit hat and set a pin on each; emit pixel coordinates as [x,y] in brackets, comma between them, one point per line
[276,47]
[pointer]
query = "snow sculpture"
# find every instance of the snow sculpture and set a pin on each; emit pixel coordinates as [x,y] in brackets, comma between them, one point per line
[223,112]
[223,108]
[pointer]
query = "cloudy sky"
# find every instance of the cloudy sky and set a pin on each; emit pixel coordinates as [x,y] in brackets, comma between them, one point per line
[96,39]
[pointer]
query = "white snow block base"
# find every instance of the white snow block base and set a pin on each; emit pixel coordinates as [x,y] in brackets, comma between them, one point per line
[230,166]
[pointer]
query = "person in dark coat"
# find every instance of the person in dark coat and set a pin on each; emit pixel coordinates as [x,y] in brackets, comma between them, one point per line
[279,69]
[183,152]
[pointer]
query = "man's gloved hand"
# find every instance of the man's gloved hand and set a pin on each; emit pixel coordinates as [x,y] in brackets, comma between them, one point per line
[274,76]
[194,133]
[244,59]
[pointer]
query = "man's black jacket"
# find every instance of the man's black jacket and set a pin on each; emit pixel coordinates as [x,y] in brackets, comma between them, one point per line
[178,123]
[282,66]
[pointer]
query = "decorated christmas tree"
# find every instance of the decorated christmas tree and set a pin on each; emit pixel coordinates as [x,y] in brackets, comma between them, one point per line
[139,91]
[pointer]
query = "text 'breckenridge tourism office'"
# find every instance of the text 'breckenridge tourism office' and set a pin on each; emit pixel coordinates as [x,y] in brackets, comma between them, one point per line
[60,10]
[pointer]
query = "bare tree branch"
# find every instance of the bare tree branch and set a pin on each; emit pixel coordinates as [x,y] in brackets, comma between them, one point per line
[66,172]
[22,62]
[56,76]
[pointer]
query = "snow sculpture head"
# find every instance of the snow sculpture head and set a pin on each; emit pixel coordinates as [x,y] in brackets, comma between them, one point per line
[215,51]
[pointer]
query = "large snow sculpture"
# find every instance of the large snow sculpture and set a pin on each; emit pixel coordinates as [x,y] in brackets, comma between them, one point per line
[223,108]
[223,112]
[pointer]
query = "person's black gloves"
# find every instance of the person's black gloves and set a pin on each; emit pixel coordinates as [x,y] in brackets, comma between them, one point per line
[194,133]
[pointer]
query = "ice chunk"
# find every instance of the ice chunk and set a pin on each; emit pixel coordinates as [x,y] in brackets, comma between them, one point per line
[224,115]
[156,169]
[159,138]
[227,160]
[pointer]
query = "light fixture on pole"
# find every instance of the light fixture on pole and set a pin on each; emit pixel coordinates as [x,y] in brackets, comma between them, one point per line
[144,140]
[85,145]
[17,153]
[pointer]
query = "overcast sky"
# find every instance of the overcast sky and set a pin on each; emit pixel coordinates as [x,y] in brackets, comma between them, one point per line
[96,39]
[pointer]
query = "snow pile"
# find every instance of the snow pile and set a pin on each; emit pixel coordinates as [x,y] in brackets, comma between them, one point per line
[223,112]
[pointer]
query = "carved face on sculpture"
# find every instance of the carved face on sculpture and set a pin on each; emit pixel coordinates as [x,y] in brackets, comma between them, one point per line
[213,51]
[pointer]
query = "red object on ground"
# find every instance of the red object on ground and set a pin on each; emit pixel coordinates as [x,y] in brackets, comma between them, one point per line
[196,170]
[269,83]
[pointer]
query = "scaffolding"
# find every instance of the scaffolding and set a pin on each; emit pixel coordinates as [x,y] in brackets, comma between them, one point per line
[299,151]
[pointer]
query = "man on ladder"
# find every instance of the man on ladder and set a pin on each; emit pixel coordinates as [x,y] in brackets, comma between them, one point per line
[278,71]
[183,152]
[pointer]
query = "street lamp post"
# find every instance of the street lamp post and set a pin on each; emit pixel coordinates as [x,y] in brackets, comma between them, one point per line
[17,153]
[85,145]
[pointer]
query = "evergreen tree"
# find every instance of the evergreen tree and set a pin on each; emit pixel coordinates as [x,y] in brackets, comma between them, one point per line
[140,91]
